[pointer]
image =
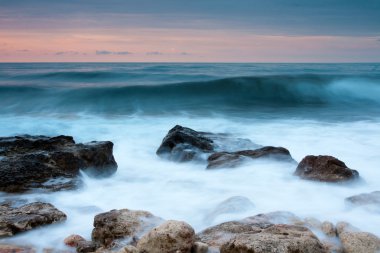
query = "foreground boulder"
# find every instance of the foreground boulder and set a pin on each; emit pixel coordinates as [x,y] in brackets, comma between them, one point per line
[183,144]
[118,228]
[355,241]
[277,238]
[29,216]
[218,235]
[234,159]
[53,163]
[170,237]
[325,169]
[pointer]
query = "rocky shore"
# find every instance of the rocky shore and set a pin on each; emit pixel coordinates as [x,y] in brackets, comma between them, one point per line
[41,163]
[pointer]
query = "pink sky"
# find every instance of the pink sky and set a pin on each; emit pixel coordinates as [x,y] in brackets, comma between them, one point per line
[186,31]
[178,45]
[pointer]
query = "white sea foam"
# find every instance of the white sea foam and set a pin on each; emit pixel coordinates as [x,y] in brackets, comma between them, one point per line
[189,192]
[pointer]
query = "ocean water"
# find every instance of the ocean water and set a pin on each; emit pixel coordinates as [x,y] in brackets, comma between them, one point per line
[318,109]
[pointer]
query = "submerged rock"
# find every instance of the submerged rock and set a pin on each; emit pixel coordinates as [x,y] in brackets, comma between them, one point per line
[365,200]
[277,238]
[235,204]
[355,241]
[53,163]
[234,159]
[170,237]
[27,217]
[325,169]
[122,227]
[183,144]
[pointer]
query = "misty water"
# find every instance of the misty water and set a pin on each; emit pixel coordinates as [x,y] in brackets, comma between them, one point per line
[308,109]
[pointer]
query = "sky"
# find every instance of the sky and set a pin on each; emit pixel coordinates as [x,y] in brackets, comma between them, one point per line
[189,31]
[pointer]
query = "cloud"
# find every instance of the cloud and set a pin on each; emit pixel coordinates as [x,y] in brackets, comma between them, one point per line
[154,53]
[122,53]
[67,53]
[103,52]
[23,50]
[106,52]
[184,53]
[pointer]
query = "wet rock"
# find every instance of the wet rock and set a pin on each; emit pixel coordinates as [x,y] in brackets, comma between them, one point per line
[325,169]
[235,204]
[27,217]
[278,217]
[355,241]
[200,247]
[122,227]
[86,246]
[277,238]
[368,200]
[328,229]
[218,235]
[235,159]
[52,163]
[73,240]
[170,237]
[128,249]
[183,144]
[6,248]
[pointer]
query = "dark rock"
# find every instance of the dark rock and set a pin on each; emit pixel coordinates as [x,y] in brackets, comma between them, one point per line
[234,159]
[122,227]
[86,247]
[27,217]
[183,144]
[53,163]
[325,169]
[277,238]
[365,199]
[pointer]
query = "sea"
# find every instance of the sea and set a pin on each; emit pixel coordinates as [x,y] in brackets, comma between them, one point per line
[310,109]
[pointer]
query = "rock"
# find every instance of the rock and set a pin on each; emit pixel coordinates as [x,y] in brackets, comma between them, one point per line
[183,144]
[27,217]
[278,217]
[328,229]
[5,248]
[128,249]
[86,246]
[73,240]
[355,241]
[325,169]
[218,235]
[368,200]
[122,226]
[53,163]
[235,159]
[277,238]
[235,204]
[170,237]
[200,247]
